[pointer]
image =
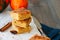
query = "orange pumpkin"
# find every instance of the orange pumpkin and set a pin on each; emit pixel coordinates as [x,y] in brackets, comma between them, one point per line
[16,4]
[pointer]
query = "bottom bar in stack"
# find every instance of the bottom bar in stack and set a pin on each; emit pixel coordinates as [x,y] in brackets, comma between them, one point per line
[21,30]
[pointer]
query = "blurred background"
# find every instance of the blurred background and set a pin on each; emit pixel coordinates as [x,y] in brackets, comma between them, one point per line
[46,11]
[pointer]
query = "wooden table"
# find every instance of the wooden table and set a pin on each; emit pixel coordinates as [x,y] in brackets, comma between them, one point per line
[44,11]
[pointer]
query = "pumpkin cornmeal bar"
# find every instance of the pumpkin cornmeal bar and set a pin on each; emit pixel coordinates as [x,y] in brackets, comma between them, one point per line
[22,23]
[38,37]
[21,30]
[20,14]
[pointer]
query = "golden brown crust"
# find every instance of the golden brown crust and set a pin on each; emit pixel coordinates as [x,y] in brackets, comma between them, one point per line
[37,37]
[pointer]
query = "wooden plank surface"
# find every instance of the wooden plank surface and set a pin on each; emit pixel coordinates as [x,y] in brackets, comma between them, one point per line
[41,10]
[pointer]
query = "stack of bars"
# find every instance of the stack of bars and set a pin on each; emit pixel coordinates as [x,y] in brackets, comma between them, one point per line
[21,20]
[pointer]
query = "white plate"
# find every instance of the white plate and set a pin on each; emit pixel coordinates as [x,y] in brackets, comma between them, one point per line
[5,18]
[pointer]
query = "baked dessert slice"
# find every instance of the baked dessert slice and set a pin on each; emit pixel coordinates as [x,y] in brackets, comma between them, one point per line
[20,14]
[21,30]
[22,23]
[38,37]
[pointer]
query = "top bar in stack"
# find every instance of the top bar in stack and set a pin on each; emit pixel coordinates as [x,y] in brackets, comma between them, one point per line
[20,14]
